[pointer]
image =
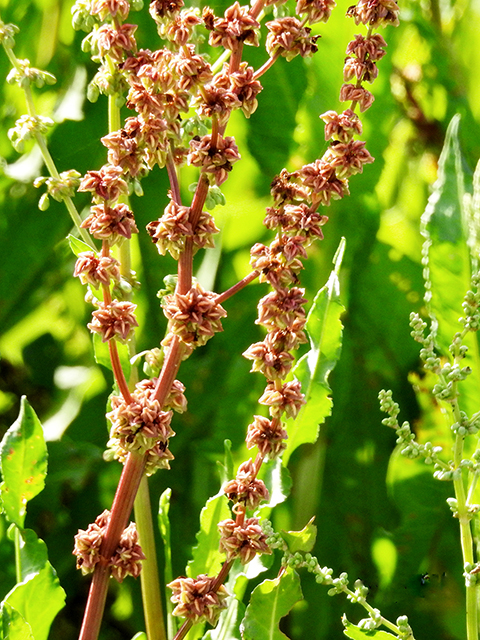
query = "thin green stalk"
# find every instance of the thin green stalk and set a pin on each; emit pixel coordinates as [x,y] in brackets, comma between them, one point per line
[47,158]
[151,596]
[18,562]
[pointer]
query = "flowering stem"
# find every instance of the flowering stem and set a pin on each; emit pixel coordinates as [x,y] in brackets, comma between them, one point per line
[173,177]
[122,506]
[237,287]
[47,158]
[265,67]
[151,596]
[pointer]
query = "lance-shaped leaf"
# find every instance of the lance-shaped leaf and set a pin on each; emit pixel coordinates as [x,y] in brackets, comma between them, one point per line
[269,603]
[206,555]
[324,329]
[450,232]
[23,462]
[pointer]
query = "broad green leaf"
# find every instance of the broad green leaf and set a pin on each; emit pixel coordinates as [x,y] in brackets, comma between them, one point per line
[324,329]
[354,632]
[269,603]
[447,260]
[77,246]
[23,462]
[141,635]
[38,600]
[279,484]
[33,554]
[206,555]
[14,626]
[303,540]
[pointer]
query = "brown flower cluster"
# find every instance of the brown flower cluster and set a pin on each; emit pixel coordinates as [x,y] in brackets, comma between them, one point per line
[142,426]
[170,232]
[215,158]
[289,38]
[114,320]
[126,559]
[246,489]
[198,598]
[243,541]
[236,25]
[195,316]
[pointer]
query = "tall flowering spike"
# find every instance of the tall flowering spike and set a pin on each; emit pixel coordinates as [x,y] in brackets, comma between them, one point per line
[243,541]
[198,598]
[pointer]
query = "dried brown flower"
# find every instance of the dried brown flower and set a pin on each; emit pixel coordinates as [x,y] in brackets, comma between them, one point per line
[110,8]
[341,126]
[194,316]
[288,37]
[348,158]
[286,398]
[198,598]
[114,320]
[105,184]
[323,181]
[110,223]
[215,159]
[128,556]
[375,13]
[95,270]
[243,541]
[352,93]
[237,25]
[246,488]
[267,435]
[315,10]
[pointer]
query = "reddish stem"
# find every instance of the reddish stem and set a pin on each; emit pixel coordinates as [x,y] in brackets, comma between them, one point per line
[265,67]
[169,370]
[173,177]
[237,287]
[121,509]
[118,371]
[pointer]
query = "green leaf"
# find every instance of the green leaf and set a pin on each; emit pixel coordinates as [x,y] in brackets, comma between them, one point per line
[303,540]
[270,602]
[206,555]
[141,635]
[14,626]
[38,600]
[23,462]
[449,233]
[77,246]
[312,370]
[33,554]
[354,632]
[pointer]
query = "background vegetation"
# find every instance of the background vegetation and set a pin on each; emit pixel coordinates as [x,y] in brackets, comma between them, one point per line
[389,526]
